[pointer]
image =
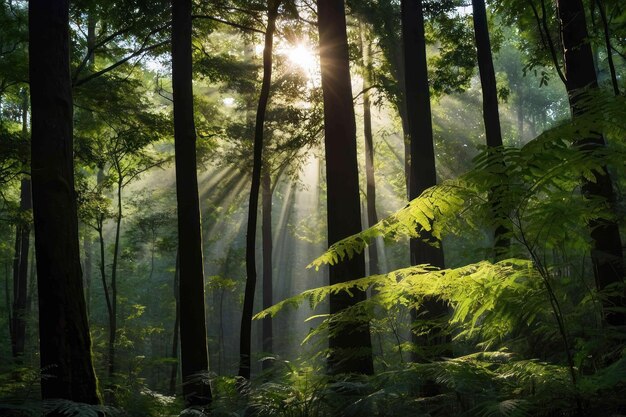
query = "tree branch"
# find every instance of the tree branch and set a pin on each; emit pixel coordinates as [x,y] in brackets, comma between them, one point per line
[226,22]
[118,63]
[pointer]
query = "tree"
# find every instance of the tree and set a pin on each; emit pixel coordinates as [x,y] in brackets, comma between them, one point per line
[491,116]
[487,74]
[114,137]
[65,343]
[372,215]
[422,168]
[453,66]
[580,75]
[194,355]
[248,303]
[343,204]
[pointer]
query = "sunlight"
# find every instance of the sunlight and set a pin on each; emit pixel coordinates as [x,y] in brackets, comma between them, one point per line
[302,56]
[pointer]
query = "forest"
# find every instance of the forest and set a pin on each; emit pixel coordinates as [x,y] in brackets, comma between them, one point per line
[312,208]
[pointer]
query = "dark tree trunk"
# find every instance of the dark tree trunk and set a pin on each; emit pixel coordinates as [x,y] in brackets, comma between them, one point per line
[20,261]
[174,371]
[372,215]
[423,173]
[395,56]
[248,301]
[194,354]
[606,254]
[487,75]
[344,218]
[105,286]
[113,292]
[65,343]
[268,296]
[491,115]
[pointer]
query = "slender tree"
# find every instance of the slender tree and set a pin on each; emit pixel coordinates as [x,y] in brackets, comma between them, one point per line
[65,344]
[491,114]
[248,301]
[606,255]
[350,343]
[422,173]
[372,215]
[194,354]
[268,281]
[487,74]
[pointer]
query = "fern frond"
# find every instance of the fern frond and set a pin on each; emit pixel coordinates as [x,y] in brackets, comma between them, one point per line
[432,212]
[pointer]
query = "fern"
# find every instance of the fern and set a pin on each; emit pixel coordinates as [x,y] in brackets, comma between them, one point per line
[540,188]
[539,302]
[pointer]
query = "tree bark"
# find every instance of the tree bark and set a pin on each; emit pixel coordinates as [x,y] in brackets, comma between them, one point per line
[65,343]
[268,282]
[487,75]
[194,353]
[372,215]
[422,172]
[248,301]
[343,202]
[580,74]
[491,114]
[113,292]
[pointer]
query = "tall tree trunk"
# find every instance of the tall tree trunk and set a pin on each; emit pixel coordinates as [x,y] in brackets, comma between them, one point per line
[65,343]
[491,115]
[193,343]
[268,296]
[113,292]
[395,55]
[487,75]
[423,173]
[174,371]
[20,261]
[343,202]
[248,301]
[103,278]
[606,254]
[372,215]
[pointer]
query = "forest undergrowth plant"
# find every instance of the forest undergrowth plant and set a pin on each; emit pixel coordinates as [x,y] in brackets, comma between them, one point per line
[540,301]
[286,389]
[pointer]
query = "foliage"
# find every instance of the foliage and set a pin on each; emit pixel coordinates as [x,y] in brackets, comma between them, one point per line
[524,336]
[537,301]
